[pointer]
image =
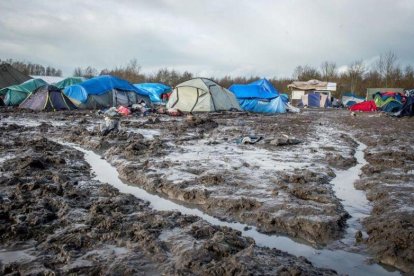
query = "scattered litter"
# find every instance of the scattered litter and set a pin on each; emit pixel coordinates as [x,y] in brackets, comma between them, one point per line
[249,140]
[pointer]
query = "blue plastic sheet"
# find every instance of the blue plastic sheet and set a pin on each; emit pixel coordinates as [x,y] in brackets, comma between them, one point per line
[314,100]
[155,90]
[276,105]
[98,86]
[260,89]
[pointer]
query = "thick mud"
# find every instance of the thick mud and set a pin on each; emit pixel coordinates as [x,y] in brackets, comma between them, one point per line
[282,184]
[56,219]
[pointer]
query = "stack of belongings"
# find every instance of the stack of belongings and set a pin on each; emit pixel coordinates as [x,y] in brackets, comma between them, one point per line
[104,92]
[159,93]
[16,94]
[349,99]
[260,96]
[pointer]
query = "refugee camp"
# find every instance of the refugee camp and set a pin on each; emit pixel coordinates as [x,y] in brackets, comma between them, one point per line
[206,138]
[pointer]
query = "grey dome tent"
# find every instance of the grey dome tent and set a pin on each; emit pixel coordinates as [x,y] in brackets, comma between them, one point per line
[202,95]
[48,98]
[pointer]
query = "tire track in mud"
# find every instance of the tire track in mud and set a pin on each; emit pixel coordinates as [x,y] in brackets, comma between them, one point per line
[340,260]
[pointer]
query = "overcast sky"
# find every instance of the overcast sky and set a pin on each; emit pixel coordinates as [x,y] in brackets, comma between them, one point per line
[209,38]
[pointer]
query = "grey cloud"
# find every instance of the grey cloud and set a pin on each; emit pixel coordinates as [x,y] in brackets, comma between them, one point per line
[267,38]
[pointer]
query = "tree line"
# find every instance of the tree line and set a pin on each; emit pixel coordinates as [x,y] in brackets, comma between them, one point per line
[357,77]
[34,69]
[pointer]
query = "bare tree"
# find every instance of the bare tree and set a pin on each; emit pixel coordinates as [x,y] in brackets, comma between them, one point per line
[355,73]
[306,73]
[328,70]
[386,66]
[78,72]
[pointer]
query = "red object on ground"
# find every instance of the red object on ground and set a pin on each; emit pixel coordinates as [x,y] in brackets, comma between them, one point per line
[366,106]
[123,110]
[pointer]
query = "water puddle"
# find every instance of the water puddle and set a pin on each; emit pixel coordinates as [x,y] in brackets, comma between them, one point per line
[354,201]
[9,256]
[342,261]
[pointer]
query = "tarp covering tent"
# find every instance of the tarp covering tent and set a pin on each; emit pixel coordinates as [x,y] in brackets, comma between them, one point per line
[48,98]
[260,89]
[15,94]
[349,99]
[389,101]
[259,96]
[202,95]
[276,105]
[407,109]
[315,100]
[155,90]
[10,76]
[367,106]
[104,92]
[313,85]
[372,91]
[68,82]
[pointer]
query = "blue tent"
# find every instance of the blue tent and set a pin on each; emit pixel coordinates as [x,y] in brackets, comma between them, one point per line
[155,90]
[260,89]
[276,105]
[99,86]
[260,96]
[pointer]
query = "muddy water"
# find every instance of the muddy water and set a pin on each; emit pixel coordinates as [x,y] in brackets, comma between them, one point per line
[340,260]
[354,201]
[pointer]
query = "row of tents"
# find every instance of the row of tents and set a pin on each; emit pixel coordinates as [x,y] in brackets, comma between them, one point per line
[394,103]
[195,95]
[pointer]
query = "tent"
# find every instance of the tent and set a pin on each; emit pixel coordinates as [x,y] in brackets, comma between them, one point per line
[11,76]
[349,99]
[366,106]
[372,91]
[202,94]
[15,94]
[48,98]
[260,89]
[260,96]
[68,82]
[155,90]
[104,92]
[315,100]
[407,109]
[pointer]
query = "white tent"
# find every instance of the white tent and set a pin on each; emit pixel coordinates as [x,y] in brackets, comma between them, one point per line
[203,95]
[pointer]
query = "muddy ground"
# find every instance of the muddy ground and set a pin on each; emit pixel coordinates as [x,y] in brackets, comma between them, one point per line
[280,185]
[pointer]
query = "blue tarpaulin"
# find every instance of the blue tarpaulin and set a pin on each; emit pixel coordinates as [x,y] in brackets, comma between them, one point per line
[98,86]
[276,105]
[260,96]
[260,89]
[155,90]
[314,100]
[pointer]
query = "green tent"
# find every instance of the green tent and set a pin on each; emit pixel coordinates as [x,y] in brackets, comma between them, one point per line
[15,94]
[68,82]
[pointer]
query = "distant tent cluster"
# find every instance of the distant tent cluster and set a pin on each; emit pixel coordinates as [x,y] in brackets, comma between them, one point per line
[195,95]
[394,103]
